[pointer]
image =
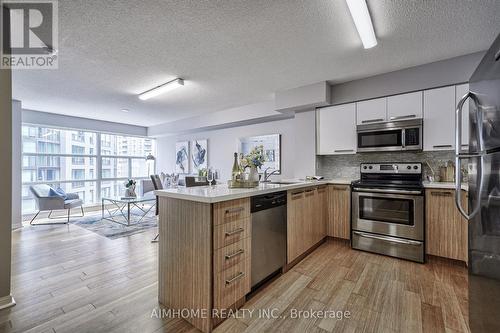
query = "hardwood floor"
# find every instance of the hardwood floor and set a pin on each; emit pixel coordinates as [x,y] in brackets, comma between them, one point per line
[67,279]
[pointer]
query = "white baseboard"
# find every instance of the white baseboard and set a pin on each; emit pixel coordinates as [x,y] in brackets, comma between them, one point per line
[7,302]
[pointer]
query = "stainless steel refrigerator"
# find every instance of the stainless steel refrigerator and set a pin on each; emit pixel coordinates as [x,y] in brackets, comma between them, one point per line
[483,212]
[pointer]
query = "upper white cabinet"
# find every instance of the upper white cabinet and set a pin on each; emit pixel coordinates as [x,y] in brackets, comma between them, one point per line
[336,129]
[460,91]
[405,106]
[371,111]
[439,119]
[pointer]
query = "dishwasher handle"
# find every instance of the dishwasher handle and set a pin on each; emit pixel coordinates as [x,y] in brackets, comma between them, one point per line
[267,201]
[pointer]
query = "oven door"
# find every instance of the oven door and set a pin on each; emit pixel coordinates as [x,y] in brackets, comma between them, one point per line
[381,140]
[388,212]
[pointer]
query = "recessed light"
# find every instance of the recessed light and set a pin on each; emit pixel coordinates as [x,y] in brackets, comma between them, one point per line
[163,88]
[363,22]
[125,110]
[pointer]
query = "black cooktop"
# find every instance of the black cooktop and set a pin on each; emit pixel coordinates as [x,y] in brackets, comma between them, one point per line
[405,176]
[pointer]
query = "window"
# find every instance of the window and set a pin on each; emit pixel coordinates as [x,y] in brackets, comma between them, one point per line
[69,159]
[78,150]
[78,136]
[78,174]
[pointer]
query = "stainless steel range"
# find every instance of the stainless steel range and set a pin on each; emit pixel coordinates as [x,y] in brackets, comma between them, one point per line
[388,210]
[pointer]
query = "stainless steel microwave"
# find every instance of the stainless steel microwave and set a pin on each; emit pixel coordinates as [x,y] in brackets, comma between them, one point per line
[390,136]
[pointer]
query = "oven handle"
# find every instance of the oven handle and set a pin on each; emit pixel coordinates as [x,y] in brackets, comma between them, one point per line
[374,190]
[388,239]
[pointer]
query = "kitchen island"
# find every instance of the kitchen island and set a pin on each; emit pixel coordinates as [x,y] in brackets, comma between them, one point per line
[205,243]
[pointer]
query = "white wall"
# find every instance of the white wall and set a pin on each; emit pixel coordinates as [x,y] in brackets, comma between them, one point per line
[297,145]
[432,75]
[16,165]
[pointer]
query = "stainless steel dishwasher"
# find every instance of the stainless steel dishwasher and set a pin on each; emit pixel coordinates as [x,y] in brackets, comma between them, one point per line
[268,236]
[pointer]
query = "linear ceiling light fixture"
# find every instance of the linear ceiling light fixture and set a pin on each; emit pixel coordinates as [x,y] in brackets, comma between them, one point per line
[163,88]
[363,22]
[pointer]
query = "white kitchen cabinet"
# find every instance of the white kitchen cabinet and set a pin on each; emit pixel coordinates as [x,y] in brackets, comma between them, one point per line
[439,119]
[405,106]
[371,111]
[460,91]
[336,130]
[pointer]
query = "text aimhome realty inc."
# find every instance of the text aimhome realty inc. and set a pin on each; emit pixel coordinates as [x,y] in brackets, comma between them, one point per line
[273,313]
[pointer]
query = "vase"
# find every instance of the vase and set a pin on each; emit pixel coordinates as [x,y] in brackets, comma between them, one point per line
[130,191]
[253,174]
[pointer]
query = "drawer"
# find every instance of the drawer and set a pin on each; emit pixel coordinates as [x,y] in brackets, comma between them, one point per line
[229,211]
[230,255]
[232,232]
[232,284]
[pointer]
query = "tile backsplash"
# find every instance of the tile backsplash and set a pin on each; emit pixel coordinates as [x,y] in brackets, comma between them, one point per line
[347,166]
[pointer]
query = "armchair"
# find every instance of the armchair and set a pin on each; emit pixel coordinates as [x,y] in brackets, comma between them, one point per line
[44,202]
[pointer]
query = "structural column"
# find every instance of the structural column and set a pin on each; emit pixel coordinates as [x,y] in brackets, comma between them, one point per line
[6,299]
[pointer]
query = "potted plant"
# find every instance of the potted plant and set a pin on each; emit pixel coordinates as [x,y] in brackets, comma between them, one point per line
[253,160]
[130,188]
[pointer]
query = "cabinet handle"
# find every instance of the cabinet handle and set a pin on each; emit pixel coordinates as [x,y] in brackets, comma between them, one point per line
[236,278]
[297,194]
[442,146]
[234,232]
[234,210]
[403,117]
[343,150]
[232,255]
[372,120]
[442,194]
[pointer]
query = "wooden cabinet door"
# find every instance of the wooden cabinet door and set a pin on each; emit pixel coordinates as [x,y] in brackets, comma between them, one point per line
[371,111]
[439,119]
[446,229]
[309,218]
[295,226]
[322,212]
[336,130]
[339,211]
[405,106]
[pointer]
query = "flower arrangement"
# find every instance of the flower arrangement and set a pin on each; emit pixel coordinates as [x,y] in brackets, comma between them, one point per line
[202,172]
[255,158]
[129,183]
[130,191]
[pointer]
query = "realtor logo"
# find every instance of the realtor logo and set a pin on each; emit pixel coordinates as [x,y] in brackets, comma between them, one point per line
[29,38]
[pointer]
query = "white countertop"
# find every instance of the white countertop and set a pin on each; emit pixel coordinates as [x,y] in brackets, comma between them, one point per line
[444,185]
[222,192]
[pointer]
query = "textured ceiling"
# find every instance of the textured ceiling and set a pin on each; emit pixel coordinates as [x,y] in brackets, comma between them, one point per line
[234,52]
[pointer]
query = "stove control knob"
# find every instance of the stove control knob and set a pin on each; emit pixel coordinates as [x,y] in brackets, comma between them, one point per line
[364,167]
[408,167]
[415,167]
[370,167]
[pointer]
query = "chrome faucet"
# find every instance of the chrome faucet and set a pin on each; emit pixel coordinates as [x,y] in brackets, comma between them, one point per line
[267,175]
